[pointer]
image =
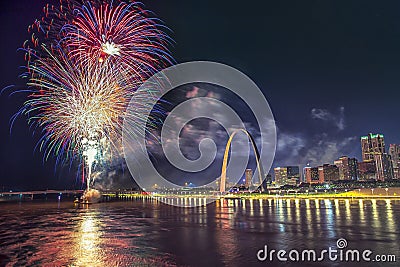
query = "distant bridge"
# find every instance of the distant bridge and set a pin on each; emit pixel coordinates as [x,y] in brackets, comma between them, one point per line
[42,192]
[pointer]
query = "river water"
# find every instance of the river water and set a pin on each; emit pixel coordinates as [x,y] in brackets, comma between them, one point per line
[144,232]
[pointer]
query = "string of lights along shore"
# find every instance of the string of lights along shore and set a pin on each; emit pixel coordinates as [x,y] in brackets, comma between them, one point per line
[378,164]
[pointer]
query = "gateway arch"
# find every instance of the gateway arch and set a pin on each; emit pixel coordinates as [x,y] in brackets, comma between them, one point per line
[222,186]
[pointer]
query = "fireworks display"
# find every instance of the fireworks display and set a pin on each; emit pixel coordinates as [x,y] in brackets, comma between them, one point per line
[84,64]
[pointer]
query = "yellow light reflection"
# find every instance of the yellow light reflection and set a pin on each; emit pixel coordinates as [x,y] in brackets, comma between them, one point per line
[289,210]
[361,206]
[389,212]
[317,213]
[308,215]
[298,208]
[87,249]
[376,222]
[316,202]
[261,207]
[337,210]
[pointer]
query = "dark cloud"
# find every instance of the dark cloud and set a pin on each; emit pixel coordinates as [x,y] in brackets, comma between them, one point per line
[325,115]
[318,148]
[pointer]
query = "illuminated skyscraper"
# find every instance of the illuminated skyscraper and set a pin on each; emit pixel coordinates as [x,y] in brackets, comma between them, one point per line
[311,175]
[249,176]
[366,170]
[348,168]
[293,174]
[384,167]
[394,152]
[372,144]
[328,173]
[289,175]
[373,148]
[281,176]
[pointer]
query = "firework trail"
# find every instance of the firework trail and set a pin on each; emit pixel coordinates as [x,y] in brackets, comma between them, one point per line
[84,64]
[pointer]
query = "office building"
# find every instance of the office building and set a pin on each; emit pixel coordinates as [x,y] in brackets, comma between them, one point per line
[366,170]
[348,168]
[372,144]
[373,148]
[293,173]
[328,173]
[289,175]
[394,152]
[384,167]
[311,175]
[249,177]
[280,176]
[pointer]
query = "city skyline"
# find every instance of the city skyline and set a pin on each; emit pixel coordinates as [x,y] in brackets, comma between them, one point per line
[377,163]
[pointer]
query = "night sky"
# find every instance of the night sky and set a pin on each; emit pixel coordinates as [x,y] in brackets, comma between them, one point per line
[329,70]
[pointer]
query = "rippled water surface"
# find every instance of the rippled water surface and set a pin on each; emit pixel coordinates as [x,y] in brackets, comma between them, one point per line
[145,232]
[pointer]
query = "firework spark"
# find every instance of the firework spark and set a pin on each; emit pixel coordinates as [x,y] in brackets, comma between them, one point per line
[122,35]
[84,71]
[114,33]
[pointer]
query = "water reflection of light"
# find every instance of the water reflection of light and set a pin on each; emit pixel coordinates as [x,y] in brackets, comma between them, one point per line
[281,212]
[87,250]
[260,201]
[389,212]
[226,219]
[317,213]
[316,202]
[289,210]
[373,201]
[348,212]
[298,208]
[330,218]
[308,216]
[376,222]
[388,204]
[251,208]
[361,207]
[337,210]
[227,243]
[282,228]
